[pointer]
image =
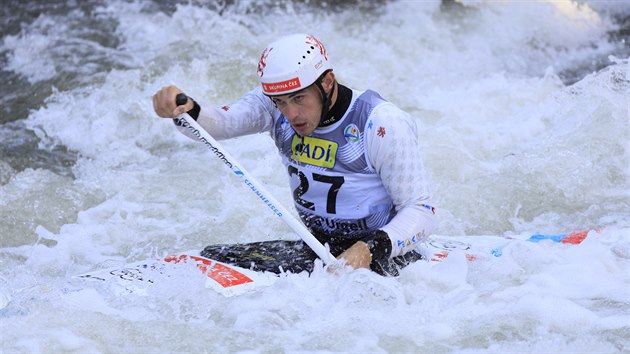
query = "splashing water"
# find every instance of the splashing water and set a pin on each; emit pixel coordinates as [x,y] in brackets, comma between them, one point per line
[523,114]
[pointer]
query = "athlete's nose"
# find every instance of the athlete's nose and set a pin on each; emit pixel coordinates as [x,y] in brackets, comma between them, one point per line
[291,112]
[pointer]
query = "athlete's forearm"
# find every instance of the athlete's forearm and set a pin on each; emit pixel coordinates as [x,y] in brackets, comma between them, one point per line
[412,225]
[394,153]
[250,114]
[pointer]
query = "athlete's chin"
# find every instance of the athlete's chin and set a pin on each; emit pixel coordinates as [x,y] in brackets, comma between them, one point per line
[302,129]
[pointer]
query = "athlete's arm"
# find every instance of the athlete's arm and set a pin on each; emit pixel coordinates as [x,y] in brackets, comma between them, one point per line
[252,113]
[394,152]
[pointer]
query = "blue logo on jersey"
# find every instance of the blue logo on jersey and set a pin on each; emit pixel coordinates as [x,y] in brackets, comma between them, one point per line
[352,133]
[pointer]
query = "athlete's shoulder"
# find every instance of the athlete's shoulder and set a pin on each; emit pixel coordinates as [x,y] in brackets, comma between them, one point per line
[256,103]
[257,96]
[369,97]
[376,101]
[389,114]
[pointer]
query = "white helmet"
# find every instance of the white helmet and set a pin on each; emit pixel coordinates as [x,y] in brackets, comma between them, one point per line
[292,63]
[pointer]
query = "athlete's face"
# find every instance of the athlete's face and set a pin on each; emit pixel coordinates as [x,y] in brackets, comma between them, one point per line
[302,109]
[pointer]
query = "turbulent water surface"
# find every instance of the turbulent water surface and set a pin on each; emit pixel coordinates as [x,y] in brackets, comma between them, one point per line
[523,116]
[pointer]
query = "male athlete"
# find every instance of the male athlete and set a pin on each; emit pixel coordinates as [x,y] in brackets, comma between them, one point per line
[353,158]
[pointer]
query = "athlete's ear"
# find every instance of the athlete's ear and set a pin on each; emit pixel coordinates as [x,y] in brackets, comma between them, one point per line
[328,81]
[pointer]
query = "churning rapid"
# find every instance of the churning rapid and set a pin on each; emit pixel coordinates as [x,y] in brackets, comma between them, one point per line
[523,114]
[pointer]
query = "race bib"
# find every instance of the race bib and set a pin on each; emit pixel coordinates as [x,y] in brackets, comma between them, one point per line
[314,151]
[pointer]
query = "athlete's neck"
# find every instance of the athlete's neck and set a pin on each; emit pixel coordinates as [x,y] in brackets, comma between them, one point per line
[339,108]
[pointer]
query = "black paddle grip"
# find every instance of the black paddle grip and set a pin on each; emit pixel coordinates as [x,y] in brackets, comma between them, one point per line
[181,99]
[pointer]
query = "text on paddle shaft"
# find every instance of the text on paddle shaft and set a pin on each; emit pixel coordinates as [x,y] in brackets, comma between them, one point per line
[260,195]
[225,160]
[212,148]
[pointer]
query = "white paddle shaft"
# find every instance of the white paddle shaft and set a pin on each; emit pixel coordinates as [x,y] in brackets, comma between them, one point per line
[188,122]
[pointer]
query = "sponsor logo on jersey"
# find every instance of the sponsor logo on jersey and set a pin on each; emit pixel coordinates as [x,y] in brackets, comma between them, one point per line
[314,151]
[345,226]
[381,132]
[351,133]
[411,241]
[430,208]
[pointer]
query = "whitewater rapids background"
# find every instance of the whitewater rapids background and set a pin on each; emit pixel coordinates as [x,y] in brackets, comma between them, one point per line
[523,113]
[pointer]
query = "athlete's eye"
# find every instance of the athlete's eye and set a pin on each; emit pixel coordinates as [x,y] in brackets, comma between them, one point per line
[279,103]
[298,99]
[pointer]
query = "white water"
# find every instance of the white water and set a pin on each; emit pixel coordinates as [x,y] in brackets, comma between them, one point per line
[509,148]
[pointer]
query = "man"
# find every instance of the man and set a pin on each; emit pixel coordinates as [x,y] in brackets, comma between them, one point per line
[353,159]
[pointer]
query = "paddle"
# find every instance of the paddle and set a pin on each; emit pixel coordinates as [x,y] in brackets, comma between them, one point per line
[188,122]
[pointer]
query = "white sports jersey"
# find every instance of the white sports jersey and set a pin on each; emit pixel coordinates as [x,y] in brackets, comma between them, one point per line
[335,188]
[364,172]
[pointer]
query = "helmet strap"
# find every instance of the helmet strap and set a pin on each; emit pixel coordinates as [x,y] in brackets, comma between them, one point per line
[326,101]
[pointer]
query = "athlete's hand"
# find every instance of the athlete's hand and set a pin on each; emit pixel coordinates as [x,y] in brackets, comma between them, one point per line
[357,256]
[164,102]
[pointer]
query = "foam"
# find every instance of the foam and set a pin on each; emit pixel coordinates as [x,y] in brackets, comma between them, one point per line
[510,148]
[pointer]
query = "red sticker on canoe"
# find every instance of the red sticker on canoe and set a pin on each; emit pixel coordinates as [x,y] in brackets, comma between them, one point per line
[575,238]
[222,274]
